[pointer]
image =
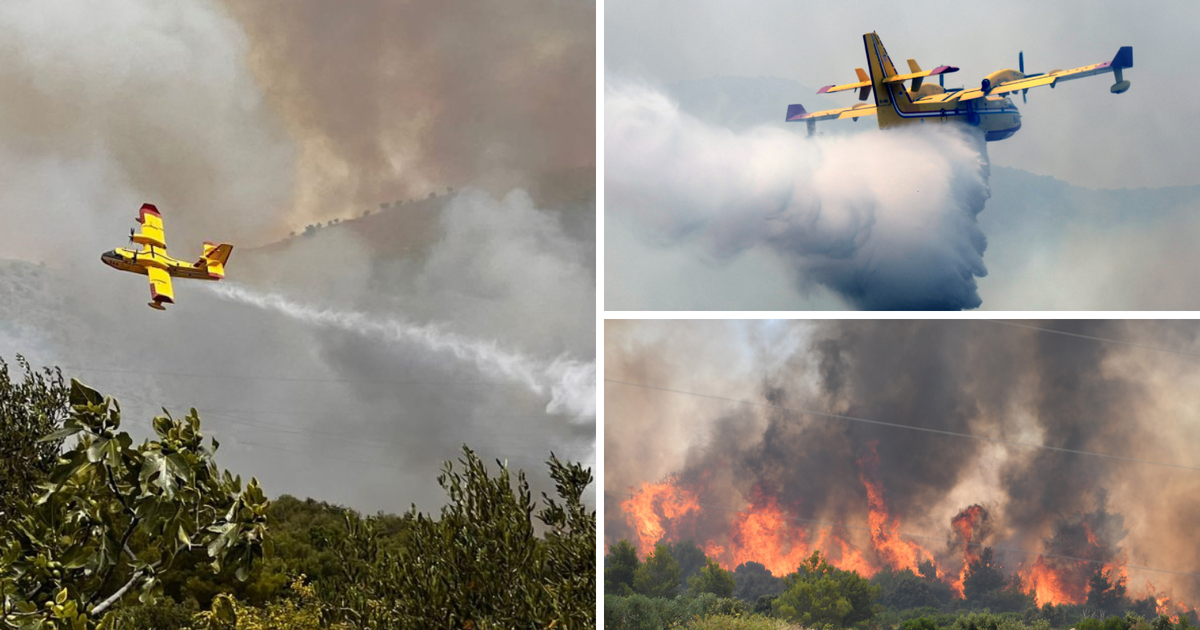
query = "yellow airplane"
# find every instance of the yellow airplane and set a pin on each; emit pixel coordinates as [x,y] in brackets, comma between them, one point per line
[152,259]
[986,107]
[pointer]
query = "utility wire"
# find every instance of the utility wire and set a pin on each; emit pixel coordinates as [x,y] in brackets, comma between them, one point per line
[903,426]
[868,529]
[1070,334]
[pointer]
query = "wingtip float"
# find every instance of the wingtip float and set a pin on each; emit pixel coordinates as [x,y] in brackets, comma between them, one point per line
[986,107]
[152,259]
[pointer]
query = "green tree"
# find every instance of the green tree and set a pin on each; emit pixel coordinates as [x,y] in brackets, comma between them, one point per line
[481,564]
[754,582]
[819,595]
[29,409]
[983,576]
[712,579]
[1106,593]
[619,567]
[112,518]
[658,576]
[691,559]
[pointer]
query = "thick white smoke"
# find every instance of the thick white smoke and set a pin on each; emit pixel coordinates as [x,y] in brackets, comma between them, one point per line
[569,383]
[886,220]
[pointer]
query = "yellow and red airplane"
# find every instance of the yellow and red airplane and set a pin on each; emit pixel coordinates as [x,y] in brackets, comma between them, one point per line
[986,107]
[152,259]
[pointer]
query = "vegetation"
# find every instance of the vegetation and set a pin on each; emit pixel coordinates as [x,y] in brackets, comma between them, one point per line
[818,595]
[100,533]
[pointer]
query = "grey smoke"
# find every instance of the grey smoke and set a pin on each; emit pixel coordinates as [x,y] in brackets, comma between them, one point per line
[887,221]
[968,377]
[103,109]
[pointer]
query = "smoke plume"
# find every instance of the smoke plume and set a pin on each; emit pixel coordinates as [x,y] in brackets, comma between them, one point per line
[886,220]
[466,317]
[395,100]
[872,496]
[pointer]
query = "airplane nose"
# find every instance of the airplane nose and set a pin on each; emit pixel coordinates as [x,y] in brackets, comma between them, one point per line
[108,257]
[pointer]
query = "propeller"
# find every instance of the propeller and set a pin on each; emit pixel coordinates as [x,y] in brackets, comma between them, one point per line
[1021,67]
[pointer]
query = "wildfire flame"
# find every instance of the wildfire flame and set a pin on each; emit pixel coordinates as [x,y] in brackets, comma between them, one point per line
[899,554]
[965,524]
[655,510]
[768,533]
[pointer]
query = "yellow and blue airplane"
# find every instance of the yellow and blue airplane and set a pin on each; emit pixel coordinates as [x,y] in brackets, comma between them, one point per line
[986,107]
[152,259]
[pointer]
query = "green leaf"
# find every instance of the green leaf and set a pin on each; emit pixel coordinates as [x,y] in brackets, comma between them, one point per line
[60,434]
[83,395]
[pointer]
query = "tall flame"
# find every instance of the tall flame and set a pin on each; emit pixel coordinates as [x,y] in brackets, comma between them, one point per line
[899,554]
[966,525]
[655,510]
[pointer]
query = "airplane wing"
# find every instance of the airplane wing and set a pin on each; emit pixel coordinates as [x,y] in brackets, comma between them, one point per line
[863,86]
[796,113]
[151,232]
[160,287]
[1123,59]
[1010,86]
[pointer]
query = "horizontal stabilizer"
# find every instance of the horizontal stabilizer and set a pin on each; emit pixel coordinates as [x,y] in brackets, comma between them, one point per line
[928,73]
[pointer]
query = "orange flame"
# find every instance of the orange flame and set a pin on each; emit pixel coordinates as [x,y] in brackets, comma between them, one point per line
[885,538]
[965,525]
[1048,585]
[654,510]
[762,534]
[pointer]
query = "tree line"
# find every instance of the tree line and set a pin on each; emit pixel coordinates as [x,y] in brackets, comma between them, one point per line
[677,585]
[97,532]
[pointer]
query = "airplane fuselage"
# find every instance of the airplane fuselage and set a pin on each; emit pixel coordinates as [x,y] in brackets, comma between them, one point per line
[138,261]
[996,116]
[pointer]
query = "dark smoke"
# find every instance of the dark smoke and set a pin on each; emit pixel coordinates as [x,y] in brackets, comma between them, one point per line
[394,100]
[979,378]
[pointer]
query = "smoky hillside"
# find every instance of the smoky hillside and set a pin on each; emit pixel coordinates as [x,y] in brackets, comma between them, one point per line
[412,212]
[775,439]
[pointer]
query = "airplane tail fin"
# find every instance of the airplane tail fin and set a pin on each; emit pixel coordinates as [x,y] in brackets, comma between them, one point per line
[1124,59]
[881,69]
[214,259]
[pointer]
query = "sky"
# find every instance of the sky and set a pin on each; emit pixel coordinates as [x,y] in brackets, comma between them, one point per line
[1077,132]
[349,365]
[719,407]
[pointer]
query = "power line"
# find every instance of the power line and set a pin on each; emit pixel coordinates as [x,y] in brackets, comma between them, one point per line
[1070,334]
[905,426]
[935,538]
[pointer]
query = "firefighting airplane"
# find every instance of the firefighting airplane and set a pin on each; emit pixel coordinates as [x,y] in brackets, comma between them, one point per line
[985,107]
[152,260]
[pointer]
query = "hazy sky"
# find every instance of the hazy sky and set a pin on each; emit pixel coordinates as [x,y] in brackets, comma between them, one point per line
[243,121]
[1077,132]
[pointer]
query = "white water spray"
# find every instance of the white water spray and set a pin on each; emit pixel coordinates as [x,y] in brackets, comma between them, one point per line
[570,383]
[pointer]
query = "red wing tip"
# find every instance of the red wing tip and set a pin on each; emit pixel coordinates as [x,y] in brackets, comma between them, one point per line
[824,89]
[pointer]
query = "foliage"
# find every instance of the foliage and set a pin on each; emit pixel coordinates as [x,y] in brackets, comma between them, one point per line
[619,567]
[902,590]
[303,612]
[712,579]
[638,612]
[112,518]
[480,565]
[1106,593]
[29,409]
[658,576]
[819,595]
[737,622]
[986,587]
[691,559]
[754,582]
